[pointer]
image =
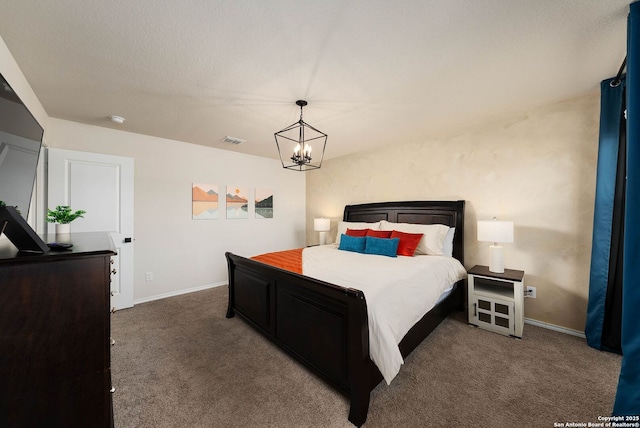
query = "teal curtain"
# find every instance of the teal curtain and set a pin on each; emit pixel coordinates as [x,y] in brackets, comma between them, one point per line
[628,395]
[605,281]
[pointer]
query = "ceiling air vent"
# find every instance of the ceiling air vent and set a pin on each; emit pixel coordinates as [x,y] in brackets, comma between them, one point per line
[233,140]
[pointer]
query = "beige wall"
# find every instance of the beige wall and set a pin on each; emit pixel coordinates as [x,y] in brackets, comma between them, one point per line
[536,169]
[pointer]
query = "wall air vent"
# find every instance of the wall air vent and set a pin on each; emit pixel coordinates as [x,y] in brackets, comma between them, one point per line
[233,140]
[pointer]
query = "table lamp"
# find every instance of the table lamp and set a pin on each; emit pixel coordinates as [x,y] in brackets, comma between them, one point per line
[322,225]
[497,232]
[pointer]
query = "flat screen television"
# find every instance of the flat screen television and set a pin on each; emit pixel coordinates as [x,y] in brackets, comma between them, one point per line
[20,142]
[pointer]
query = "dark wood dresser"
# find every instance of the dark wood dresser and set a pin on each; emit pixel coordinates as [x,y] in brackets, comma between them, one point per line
[55,335]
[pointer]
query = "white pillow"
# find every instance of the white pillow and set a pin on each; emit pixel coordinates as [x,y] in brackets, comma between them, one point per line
[432,242]
[344,225]
[447,246]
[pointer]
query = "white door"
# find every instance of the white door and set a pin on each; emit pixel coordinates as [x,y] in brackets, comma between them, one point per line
[102,185]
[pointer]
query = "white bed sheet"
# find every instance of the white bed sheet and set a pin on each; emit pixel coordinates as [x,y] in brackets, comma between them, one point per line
[399,292]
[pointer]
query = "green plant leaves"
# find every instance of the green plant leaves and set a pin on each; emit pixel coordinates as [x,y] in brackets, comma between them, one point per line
[63,214]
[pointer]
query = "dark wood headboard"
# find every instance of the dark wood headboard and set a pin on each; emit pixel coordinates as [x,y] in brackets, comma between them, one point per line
[449,213]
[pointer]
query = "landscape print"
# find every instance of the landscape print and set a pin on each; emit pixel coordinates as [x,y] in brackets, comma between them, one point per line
[264,203]
[237,202]
[204,201]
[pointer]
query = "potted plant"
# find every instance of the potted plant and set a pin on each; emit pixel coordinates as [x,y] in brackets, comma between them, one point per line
[63,215]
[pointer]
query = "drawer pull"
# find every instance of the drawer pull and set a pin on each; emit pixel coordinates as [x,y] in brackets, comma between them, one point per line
[113,293]
[475,309]
[113,389]
[113,342]
[113,309]
[114,271]
[112,261]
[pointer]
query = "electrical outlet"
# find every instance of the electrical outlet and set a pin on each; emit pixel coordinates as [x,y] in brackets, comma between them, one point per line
[530,292]
[149,276]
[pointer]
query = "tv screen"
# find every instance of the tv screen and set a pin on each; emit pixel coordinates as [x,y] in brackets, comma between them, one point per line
[20,141]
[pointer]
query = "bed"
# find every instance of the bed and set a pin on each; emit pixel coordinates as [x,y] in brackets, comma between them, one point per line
[325,326]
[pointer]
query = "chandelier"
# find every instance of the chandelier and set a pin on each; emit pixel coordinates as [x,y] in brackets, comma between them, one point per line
[295,139]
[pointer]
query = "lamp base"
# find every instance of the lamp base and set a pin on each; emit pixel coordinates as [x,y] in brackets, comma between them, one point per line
[496,259]
[323,238]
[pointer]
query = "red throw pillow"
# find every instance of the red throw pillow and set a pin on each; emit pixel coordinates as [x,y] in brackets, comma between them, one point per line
[408,242]
[356,232]
[379,233]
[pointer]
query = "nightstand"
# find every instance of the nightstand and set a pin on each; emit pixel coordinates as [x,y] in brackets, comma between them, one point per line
[496,300]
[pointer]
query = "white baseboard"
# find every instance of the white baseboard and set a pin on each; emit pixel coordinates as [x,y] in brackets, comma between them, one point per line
[555,327]
[178,293]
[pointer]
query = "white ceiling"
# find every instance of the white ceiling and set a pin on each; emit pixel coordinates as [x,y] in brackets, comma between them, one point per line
[374,72]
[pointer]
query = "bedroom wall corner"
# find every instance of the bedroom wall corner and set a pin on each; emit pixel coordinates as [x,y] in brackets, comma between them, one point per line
[536,168]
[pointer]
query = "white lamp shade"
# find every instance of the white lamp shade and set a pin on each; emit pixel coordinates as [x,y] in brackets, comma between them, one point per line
[495,231]
[321,224]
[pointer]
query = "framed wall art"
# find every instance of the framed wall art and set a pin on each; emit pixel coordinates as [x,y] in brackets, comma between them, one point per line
[264,203]
[237,202]
[204,201]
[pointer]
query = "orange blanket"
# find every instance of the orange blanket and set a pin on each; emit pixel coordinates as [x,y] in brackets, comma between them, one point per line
[290,260]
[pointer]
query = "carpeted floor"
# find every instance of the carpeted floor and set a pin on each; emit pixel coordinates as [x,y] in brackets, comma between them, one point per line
[179,362]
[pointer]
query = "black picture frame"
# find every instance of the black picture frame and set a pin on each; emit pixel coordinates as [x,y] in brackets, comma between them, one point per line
[19,232]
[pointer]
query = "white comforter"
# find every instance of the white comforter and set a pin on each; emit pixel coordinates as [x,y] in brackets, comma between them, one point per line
[398,291]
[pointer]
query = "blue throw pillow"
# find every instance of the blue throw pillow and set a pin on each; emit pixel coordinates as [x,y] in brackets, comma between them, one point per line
[352,243]
[381,246]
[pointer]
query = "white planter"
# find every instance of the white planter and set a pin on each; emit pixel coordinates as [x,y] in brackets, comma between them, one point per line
[63,229]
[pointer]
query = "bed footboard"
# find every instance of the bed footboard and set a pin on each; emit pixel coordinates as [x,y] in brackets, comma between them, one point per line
[322,325]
